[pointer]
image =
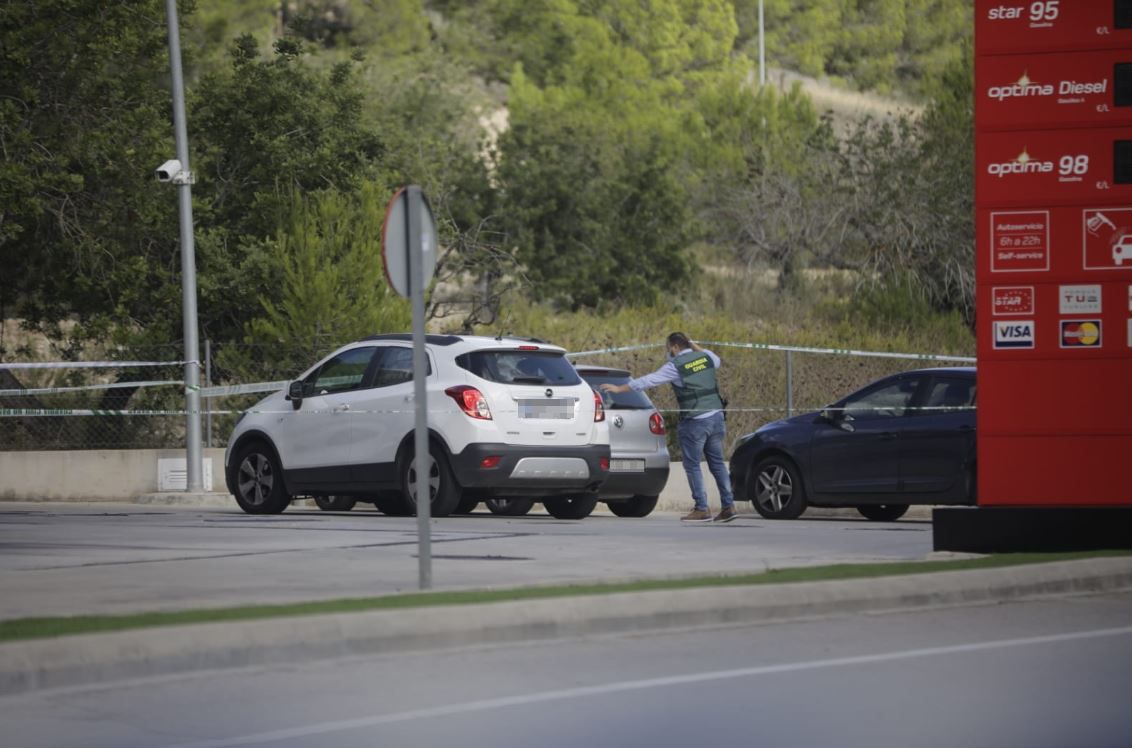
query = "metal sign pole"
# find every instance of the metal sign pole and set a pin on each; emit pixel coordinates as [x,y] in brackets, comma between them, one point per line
[413,217]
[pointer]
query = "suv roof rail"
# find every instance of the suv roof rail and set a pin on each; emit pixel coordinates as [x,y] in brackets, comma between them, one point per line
[430,339]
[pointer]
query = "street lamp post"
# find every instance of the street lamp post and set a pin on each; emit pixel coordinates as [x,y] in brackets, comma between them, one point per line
[183,179]
[762,48]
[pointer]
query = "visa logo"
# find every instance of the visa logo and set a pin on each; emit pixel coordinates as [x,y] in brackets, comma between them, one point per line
[1014,334]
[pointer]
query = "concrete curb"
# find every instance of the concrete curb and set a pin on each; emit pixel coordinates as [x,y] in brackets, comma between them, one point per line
[99,658]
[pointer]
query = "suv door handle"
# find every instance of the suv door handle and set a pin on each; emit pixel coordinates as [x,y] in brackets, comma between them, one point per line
[341,408]
[887,436]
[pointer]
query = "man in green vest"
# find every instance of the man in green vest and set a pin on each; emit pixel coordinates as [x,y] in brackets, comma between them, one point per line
[690,370]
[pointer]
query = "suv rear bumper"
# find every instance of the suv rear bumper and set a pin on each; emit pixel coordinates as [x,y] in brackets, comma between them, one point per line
[542,471]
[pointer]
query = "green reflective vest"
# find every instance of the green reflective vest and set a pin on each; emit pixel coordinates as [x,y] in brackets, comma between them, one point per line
[700,392]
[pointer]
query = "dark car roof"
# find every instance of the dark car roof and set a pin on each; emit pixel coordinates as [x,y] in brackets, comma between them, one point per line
[946,369]
[601,370]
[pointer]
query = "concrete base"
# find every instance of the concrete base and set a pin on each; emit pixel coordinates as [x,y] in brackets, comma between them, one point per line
[1025,529]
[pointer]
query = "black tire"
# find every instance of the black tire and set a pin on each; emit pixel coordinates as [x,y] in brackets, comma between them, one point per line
[335,503]
[259,480]
[444,493]
[509,507]
[638,506]
[571,507]
[392,504]
[882,512]
[467,505]
[776,489]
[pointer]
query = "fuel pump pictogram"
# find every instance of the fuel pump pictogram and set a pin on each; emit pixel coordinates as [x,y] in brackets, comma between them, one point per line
[1107,238]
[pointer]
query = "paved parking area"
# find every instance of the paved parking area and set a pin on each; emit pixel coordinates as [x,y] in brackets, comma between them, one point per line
[67,559]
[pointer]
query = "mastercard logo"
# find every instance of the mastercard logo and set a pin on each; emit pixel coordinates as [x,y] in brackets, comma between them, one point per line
[1081,334]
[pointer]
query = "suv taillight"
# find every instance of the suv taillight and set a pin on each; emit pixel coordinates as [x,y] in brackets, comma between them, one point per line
[656,423]
[471,401]
[599,409]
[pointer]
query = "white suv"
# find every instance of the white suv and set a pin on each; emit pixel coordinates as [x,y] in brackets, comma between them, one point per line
[507,417]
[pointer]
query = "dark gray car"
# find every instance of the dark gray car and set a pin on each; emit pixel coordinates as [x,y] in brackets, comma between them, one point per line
[905,439]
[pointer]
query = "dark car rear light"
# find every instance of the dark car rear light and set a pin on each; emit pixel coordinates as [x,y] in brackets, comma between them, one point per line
[656,424]
[471,401]
[603,463]
[599,408]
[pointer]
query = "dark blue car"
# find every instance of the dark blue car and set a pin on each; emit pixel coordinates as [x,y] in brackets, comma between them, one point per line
[906,439]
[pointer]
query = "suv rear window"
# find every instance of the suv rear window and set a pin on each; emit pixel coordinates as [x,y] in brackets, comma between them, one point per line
[520,367]
[617,400]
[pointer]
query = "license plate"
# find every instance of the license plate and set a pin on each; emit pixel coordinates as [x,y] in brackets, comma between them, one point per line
[626,466]
[550,408]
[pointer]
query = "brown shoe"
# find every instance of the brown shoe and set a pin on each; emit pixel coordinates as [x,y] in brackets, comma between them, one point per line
[726,514]
[697,515]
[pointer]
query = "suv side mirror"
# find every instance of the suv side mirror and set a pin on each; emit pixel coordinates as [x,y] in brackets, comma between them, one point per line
[295,394]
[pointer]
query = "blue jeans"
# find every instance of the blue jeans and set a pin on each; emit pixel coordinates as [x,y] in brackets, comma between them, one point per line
[703,438]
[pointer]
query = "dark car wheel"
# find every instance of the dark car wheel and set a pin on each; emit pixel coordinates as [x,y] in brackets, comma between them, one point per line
[444,493]
[392,504]
[776,490]
[335,503]
[467,505]
[509,507]
[259,480]
[883,512]
[638,506]
[571,507]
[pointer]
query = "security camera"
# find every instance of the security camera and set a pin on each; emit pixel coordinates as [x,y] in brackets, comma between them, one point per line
[168,171]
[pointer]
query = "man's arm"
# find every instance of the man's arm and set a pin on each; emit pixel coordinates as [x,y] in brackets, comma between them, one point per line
[664,375]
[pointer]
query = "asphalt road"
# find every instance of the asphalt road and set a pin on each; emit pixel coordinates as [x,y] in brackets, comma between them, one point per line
[68,559]
[1035,674]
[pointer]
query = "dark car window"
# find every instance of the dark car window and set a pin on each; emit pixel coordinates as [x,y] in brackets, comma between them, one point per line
[342,373]
[949,392]
[520,367]
[889,400]
[396,367]
[616,400]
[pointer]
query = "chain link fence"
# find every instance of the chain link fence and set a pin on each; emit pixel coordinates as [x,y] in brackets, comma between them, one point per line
[766,383]
[77,406]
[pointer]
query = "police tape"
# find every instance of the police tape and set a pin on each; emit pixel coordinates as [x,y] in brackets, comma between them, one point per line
[846,352]
[85,388]
[618,349]
[787,348]
[244,389]
[91,364]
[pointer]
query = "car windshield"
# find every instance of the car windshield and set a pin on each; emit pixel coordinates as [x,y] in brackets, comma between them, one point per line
[520,367]
[616,400]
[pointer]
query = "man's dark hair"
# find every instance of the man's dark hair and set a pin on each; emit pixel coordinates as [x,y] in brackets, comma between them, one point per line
[680,339]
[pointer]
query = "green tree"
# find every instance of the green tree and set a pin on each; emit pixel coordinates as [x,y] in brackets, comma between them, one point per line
[263,131]
[84,119]
[331,288]
[591,199]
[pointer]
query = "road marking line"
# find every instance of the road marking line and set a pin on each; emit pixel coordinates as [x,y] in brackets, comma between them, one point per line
[639,685]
